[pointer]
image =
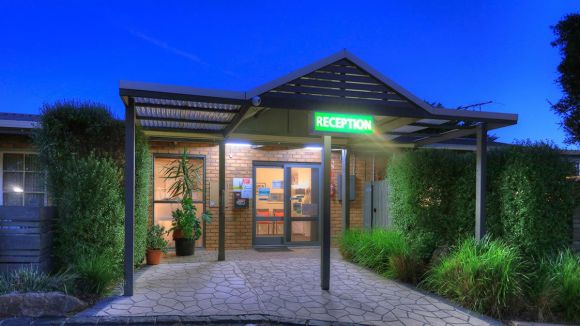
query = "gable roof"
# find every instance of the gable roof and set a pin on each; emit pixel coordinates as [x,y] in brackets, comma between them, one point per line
[341,74]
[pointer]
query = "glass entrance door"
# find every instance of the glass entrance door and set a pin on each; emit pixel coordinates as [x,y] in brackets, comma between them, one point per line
[286,204]
[304,208]
[269,206]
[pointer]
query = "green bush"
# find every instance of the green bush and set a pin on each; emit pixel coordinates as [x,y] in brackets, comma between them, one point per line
[73,130]
[431,197]
[142,200]
[536,202]
[30,279]
[90,213]
[96,275]
[384,251]
[484,276]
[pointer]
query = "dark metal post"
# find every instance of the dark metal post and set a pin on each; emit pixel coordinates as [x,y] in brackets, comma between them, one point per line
[222,202]
[129,197]
[345,189]
[325,234]
[480,181]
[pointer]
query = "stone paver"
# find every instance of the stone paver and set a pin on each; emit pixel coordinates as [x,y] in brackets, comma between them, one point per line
[284,284]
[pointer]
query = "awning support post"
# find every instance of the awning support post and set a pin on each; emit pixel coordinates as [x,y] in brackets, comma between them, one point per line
[345,189]
[129,283]
[222,202]
[325,223]
[480,181]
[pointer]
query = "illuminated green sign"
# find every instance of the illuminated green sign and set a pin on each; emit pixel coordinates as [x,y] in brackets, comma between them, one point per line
[343,123]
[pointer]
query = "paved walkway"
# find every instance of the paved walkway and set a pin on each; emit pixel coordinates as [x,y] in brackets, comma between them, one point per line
[284,284]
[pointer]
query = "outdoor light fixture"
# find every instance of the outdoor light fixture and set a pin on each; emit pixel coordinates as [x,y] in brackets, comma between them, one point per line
[17,189]
[313,148]
[239,144]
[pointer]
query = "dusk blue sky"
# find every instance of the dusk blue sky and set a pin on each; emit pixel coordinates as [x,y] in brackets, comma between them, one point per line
[453,52]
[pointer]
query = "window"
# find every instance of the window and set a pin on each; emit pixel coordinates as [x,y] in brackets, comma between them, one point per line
[163,204]
[22,180]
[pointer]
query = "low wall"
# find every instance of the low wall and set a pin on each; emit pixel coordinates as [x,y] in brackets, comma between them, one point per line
[25,237]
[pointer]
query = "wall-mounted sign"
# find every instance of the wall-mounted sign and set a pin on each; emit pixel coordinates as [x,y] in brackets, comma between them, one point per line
[239,183]
[343,123]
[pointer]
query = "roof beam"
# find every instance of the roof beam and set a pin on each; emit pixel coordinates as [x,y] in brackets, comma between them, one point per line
[183,130]
[237,120]
[458,133]
[441,126]
[339,104]
[183,108]
[221,123]
[394,124]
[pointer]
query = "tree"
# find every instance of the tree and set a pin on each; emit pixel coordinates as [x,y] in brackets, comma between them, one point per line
[567,33]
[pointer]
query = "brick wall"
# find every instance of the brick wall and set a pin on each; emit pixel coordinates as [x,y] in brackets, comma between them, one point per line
[239,164]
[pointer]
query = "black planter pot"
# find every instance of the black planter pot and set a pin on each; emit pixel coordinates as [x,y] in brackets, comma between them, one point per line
[184,247]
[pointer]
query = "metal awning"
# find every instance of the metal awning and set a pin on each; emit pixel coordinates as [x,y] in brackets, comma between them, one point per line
[338,83]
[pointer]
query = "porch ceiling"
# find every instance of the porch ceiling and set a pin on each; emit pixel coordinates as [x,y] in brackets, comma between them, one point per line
[338,83]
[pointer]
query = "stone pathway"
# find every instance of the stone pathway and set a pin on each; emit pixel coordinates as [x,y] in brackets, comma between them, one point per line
[283,284]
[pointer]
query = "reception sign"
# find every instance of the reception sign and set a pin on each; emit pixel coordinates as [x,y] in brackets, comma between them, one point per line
[326,122]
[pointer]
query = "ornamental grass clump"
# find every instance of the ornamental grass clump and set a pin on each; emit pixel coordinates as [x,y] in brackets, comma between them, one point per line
[484,276]
[31,279]
[383,251]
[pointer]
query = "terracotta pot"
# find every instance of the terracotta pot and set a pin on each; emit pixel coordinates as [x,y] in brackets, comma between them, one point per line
[153,256]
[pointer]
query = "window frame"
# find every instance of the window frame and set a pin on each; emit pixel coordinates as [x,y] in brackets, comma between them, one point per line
[165,201]
[22,152]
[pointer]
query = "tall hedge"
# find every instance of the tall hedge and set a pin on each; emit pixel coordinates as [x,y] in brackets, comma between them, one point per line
[71,131]
[90,213]
[536,199]
[431,197]
[529,203]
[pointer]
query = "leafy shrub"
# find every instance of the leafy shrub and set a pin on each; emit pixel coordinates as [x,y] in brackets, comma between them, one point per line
[30,279]
[535,194]
[155,239]
[431,197]
[384,251]
[90,219]
[73,130]
[483,276]
[142,199]
[96,274]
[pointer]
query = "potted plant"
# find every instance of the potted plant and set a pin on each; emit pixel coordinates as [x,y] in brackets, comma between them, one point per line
[186,225]
[156,244]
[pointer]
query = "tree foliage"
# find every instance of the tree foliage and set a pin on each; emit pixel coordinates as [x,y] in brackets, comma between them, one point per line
[567,33]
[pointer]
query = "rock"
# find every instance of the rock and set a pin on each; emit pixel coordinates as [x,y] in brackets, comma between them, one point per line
[35,304]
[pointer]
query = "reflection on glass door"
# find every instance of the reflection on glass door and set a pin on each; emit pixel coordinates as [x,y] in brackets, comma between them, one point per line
[163,204]
[269,208]
[304,208]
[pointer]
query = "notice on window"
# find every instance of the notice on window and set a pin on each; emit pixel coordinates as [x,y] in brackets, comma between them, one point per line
[264,193]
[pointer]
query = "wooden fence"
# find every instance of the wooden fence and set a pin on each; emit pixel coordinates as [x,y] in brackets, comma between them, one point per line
[25,237]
